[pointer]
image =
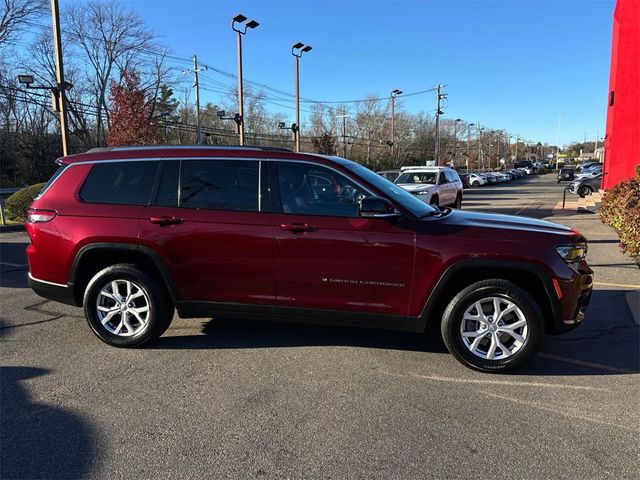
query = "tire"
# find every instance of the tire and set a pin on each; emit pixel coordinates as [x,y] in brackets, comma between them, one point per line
[585,190]
[521,345]
[475,184]
[458,203]
[434,202]
[138,326]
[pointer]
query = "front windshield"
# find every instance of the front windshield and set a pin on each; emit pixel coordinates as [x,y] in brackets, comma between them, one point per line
[417,178]
[392,191]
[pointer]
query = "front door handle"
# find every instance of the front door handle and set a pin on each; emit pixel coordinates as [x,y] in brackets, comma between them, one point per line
[298,228]
[166,220]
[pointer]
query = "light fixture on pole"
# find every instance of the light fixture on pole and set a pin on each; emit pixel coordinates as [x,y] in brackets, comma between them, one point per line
[243,24]
[56,91]
[297,50]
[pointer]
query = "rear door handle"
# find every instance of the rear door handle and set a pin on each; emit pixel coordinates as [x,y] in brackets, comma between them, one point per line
[166,220]
[298,228]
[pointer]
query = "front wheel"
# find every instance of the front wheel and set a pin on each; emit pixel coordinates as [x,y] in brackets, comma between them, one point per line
[458,203]
[125,307]
[475,184]
[434,202]
[492,326]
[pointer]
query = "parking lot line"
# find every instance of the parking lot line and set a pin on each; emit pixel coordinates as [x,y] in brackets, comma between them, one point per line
[582,363]
[619,285]
[437,378]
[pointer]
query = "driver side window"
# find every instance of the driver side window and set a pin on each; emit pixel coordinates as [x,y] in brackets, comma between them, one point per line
[307,189]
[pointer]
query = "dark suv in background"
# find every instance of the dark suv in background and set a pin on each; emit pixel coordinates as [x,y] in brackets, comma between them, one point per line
[131,234]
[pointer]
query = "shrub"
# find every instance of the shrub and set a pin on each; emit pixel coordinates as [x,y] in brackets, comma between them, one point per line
[621,209]
[18,203]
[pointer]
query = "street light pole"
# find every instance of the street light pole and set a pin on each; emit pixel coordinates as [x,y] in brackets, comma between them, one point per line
[394,94]
[297,50]
[455,140]
[245,24]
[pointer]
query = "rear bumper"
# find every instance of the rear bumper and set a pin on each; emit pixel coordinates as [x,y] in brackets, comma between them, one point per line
[54,291]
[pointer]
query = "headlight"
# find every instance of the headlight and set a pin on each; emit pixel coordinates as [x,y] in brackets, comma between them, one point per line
[572,253]
[426,192]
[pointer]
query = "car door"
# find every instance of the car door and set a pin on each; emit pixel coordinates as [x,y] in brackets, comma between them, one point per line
[328,258]
[213,236]
[444,189]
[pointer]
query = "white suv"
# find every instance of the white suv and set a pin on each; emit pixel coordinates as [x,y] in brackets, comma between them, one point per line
[438,186]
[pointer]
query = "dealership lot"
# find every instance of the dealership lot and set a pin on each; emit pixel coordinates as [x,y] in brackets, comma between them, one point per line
[223,398]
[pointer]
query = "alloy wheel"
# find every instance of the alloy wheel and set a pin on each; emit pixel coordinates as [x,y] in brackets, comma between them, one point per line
[493,328]
[122,307]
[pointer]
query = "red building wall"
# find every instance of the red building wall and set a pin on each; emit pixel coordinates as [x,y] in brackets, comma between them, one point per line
[622,141]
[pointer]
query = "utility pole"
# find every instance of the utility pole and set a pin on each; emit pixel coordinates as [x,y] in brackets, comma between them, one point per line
[196,86]
[468,145]
[344,131]
[480,147]
[62,85]
[394,94]
[439,96]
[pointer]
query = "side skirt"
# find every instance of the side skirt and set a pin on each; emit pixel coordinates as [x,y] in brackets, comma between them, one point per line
[188,309]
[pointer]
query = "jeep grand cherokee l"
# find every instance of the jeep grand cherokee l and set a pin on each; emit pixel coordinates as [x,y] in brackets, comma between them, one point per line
[131,234]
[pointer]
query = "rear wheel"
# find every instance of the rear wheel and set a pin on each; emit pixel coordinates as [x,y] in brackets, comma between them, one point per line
[125,307]
[475,183]
[585,190]
[492,326]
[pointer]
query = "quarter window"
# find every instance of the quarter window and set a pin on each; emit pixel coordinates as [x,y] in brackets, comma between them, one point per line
[307,189]
[120,182]
[220,185]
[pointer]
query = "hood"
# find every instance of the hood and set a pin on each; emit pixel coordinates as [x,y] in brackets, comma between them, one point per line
[506,222]
[414,188]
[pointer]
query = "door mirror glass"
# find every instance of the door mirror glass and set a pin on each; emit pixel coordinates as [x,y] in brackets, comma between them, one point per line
[377,207]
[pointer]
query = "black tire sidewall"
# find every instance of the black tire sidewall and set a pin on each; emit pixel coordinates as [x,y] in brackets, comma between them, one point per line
[584,190]
[507,290]
[158,309]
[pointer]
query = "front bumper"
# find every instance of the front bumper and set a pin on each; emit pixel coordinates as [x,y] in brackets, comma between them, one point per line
[573,297]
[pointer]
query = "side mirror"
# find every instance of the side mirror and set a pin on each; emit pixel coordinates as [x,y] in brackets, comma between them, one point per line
[377,207]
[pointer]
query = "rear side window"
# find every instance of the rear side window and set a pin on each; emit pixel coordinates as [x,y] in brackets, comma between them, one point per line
[220,185]
[452,176]
[120,182]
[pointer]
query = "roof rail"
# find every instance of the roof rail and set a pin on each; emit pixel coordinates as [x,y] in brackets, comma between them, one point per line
[185,147]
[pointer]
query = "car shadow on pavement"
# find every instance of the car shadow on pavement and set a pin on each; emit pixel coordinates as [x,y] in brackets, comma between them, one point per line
[223,333]
[38,440]
[13,265]
[607,342]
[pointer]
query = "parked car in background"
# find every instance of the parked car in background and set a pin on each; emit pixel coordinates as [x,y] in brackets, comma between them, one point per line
[438,186]
[464,178]
[476,180]
[590,172]
[584,165]
[134,234]
[566,175]
[524,164]
[585,186]
[390,175]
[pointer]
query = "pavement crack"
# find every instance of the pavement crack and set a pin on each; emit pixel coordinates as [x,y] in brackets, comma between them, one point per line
[46,320]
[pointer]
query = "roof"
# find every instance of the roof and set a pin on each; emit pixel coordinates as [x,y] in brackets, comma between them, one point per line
[173,151]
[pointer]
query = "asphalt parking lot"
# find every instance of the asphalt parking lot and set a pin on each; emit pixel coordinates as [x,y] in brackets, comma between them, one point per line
[215,398]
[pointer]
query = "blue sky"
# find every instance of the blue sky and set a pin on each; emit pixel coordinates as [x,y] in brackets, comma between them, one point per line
[508,64]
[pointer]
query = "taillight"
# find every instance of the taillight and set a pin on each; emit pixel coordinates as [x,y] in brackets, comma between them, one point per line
[36,215]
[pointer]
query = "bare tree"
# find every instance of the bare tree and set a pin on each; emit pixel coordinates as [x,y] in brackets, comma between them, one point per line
[111,36]
[15,13]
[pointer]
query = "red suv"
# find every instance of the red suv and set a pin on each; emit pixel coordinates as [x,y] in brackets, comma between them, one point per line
[131,233]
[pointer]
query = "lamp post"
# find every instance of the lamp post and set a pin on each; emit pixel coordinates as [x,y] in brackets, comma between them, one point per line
[243,25]
[394,94]
[455,140]
[297,50]
[480,156]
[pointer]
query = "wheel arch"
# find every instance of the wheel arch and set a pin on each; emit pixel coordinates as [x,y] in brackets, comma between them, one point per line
[530,277]
[90,259]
